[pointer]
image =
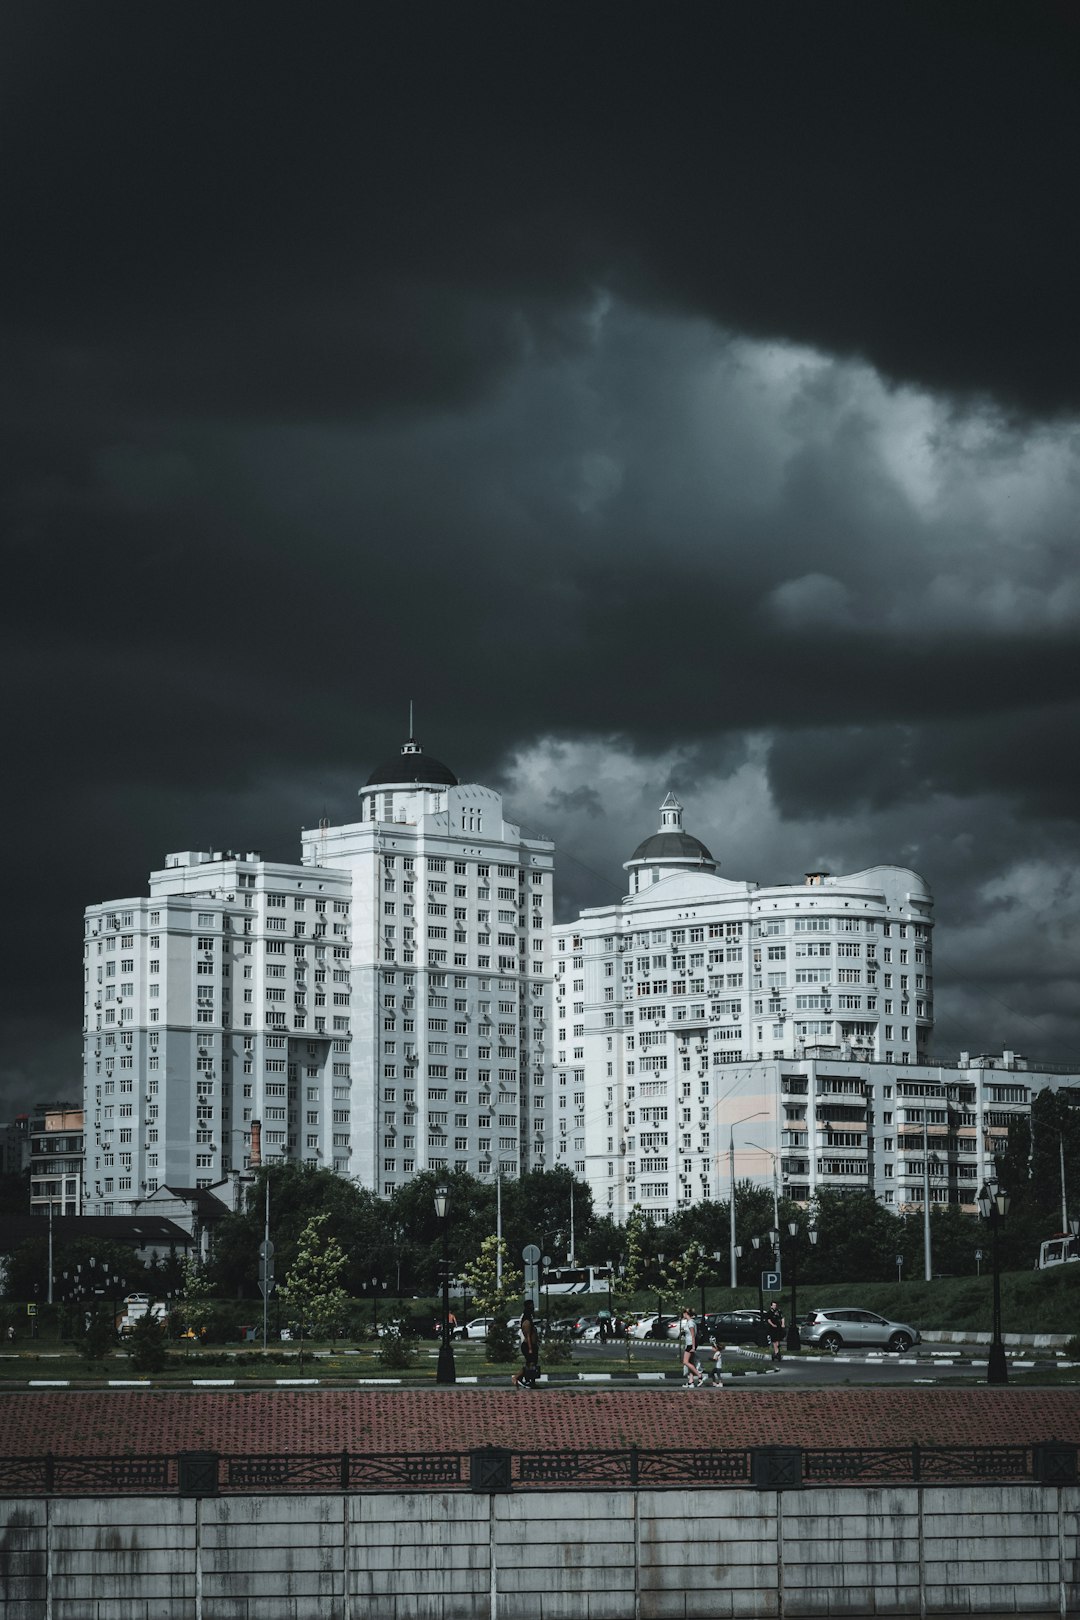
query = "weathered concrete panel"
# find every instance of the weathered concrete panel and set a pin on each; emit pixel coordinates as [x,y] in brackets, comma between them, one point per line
[708,1555]
[22,1561]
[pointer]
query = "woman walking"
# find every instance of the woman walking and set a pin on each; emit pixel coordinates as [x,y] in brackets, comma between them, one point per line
[530,1350]
[688,1336]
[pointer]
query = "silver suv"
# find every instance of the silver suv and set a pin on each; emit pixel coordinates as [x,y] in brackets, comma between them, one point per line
[830,1329]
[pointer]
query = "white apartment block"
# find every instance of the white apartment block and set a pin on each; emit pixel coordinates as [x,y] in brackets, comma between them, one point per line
[663,1001]
[221,998]
[451,985]
[830,1123]
[380,1009]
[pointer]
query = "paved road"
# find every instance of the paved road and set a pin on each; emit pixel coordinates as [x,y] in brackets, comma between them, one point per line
[817,1371]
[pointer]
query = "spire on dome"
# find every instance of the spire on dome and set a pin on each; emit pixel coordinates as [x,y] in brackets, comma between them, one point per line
[670,815]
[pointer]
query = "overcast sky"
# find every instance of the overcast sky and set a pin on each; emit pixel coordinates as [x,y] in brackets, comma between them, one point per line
[661,396]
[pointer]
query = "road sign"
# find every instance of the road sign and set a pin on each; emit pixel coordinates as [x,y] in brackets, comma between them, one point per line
[31,1310]
[266,1250]
[770,1282]
[531,1256]
[266,1287]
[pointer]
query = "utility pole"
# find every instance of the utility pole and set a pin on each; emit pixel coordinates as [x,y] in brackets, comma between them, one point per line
[928,1265]
[498,1230]
[267,1261]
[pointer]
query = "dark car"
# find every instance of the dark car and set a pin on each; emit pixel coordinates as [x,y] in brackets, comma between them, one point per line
[733,1327]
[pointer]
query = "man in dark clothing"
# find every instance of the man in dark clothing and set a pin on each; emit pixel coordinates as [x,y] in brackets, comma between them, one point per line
[774,1328]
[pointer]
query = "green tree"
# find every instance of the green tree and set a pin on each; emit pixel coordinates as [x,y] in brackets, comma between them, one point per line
[192,1312]
[685,1274]
[634,1263]
[536,1209]
[480,1276]
[491,1299]
[312,1286]
[858,1240]
[411,1213]
[355,1217]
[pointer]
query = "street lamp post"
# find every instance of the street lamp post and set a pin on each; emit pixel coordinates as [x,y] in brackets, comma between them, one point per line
[928,1160]
[446,1372]
[375,1303]
[760,1293]
[794,1343]
[731,1166]
[994,1206]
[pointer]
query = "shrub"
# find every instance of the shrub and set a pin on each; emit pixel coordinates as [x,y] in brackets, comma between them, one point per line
[397,1347]
[98,1338]
[145,1345]
[556,1349]
[502,1341]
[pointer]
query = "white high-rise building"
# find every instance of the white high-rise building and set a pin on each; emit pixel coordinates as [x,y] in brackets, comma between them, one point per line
[220,999]
[381,1009]
[666,1002]
[451,988]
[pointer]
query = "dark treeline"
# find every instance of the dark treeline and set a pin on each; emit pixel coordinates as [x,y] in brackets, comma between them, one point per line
[397,1242]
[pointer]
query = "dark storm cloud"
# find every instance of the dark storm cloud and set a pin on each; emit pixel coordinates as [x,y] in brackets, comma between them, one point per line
[530,364]
[323,199]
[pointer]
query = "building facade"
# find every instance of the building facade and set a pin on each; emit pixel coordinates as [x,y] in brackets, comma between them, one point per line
[451,984]
[379,1009]
[664,1000]
[210,1003]
[57,1159]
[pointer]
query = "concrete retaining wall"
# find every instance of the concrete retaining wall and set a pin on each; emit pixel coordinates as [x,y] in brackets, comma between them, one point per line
[602,1555]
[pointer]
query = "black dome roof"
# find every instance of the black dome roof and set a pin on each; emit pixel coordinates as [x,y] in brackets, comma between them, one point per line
[412,765]
[672,846]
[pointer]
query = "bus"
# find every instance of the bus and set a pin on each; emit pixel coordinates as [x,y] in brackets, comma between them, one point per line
[1058,1250]
[576,1280]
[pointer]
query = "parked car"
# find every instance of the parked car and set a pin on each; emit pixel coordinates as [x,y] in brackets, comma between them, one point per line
[654,1327]
[734,1327]
[582,1324]
[478,1328]
[832,1328]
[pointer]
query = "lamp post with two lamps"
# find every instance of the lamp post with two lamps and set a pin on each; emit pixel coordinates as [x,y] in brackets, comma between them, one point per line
[760,1336]
[375,1285]
[993,1207]
[732,1257]
[446,1372]
[794,1343]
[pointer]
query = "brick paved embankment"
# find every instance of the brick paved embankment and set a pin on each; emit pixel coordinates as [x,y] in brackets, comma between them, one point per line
[109,1422]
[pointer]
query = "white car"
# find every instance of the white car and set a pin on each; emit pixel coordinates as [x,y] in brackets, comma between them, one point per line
[655,1327]
[478,1328]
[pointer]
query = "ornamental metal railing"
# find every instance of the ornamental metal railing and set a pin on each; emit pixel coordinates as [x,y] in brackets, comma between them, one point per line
[209,1473]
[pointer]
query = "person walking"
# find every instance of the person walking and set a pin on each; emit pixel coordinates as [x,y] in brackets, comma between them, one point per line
[529,1340]
[774,1328]
[717,1360]
[688,1339]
